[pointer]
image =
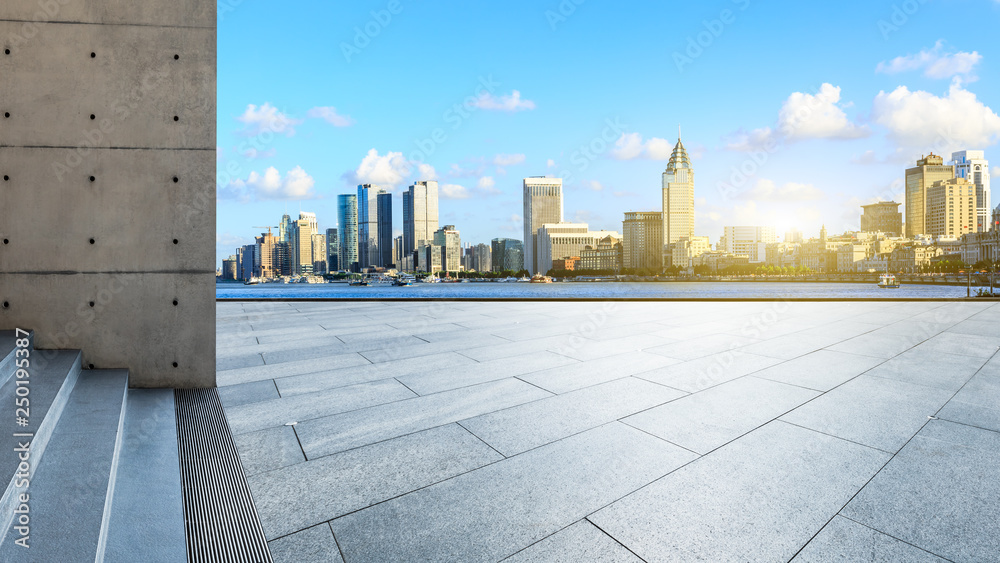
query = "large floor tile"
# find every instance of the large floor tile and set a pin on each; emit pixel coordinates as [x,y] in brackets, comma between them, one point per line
[303,495]
[580,542]
[332,434]
[939,493]
[704,421]
[821,370]
[517,429]
[500,509]
[876,412]
[760,498]
[696,375]
[846,540]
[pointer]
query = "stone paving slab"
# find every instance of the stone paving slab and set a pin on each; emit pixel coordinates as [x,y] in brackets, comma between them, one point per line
[577,375]
[580,542]
[233,395]
[312,545]
[426,382]
[698,375]
[701,347]
[846,540]
[319,490]
[876,412]
[268,449]
[939,493]
[521,428]
[332,434]
[704,421]
[940,370]
[286,369]
[276,412]
[821,370]
[352,375]
[492,513]
[758,499]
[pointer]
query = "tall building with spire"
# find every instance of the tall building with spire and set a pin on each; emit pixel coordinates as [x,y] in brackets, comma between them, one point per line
[678,198]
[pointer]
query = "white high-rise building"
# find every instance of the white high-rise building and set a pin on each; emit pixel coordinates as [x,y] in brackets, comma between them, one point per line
[543,203]
[678,199]
[748,241]
[973,166]
[420,215]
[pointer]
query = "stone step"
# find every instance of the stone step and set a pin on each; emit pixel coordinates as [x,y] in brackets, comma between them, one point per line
[145,520]
[52,375]
[69,490]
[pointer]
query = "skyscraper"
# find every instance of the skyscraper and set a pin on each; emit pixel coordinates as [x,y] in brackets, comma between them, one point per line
[347,219]
[420,215]
[302,237]
[384,229]
[543,204]
[450,241]
[332,251]
[973,166]
[285,229]
[368,199]
[508,255]
[678,198]
[319,253]
[929,170]
[882,217]
[643,241]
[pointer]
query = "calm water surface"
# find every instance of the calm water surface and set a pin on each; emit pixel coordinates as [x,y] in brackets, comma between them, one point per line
[570,290]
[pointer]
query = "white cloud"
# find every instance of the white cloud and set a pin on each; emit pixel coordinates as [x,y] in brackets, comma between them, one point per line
[386,171]
[767,190]
[935,63]
[330,115]
[508,102]
[631,146]
[454,191]
[817,116]
[508,159]
[552,164]
[257,120]
[487,185]
[594,185]
[295,185]
[802,116]
[921,121]
[427,172]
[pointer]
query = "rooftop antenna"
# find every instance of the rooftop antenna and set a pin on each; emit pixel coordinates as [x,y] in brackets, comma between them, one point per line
[678,133]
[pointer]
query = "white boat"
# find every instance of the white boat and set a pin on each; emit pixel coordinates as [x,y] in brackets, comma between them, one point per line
[430,279]
[524,279]
[888,281]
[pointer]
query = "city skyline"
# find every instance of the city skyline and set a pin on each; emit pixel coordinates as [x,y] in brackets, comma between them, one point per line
[612,136]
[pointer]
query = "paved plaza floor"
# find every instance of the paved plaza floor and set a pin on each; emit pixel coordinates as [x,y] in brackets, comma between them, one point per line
[617,431]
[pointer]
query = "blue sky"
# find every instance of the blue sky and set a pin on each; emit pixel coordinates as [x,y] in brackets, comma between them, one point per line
[795,113]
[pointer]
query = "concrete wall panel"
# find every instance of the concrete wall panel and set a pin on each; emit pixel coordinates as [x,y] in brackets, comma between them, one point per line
[180,13]
[133,323]
[133,86]
[113,299]
[133,210]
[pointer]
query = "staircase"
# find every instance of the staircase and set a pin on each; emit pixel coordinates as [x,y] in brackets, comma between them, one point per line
[101,476]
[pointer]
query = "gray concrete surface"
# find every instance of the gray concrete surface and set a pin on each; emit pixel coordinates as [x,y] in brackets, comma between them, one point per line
[90,151]
[619,432]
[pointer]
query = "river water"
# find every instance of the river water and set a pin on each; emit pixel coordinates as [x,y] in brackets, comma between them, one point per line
[590,290]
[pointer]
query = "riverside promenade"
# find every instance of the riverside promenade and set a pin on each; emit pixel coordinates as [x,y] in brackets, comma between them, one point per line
[617,431]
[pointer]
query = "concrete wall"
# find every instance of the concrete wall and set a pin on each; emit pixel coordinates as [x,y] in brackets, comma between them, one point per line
[107,195]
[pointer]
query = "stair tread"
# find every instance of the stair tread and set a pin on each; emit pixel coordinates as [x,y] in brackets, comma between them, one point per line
[147,510]
[69,487]
[45,383]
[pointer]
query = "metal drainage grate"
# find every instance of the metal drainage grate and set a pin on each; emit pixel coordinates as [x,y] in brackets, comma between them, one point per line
[220,518]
